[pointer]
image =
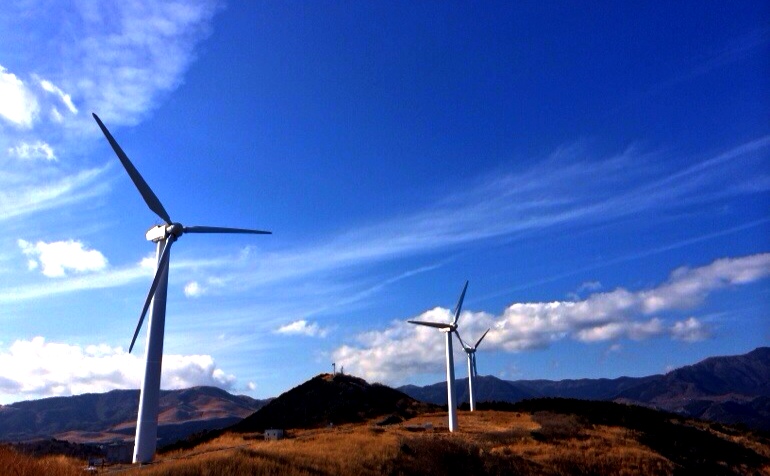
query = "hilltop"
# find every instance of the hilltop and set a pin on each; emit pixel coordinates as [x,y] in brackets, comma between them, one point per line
[331,400]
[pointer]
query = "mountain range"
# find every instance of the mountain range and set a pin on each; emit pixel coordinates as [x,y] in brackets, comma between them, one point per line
[729,389]
[111,416]
[733,390]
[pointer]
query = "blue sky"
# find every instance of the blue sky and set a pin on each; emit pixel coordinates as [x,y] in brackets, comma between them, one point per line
[597,171]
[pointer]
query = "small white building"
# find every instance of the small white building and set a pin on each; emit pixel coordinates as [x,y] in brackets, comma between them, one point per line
[274,434]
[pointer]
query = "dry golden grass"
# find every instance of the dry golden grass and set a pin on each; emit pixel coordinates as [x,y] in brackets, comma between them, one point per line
[14,463]
[488,442]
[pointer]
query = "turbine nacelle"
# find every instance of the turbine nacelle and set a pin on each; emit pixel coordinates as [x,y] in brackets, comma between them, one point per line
[161,232]
[470,350]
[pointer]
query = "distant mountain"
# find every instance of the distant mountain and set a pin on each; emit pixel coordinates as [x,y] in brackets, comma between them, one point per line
[102,417]
[731,389]
[585,389]
[331,399]
[739,377]
[488,388]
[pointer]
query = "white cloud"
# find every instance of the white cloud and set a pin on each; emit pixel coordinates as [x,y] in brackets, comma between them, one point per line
[109,277]
[302,327]
[18,104]
[687,287]
[149,262]
[193,289]
[402,349]
[690,330]
[36,368]
[64,97]
[155,41]
[58,257]
[37,150]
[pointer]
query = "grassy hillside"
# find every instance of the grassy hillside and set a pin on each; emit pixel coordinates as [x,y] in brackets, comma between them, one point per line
[20,464]
[541,437]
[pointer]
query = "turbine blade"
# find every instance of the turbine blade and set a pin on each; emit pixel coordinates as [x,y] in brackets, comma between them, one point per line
[162,268]
[462,342]
[217,229]
[460,304]
[439,325]
[475,370]
[149,197]
[480,339]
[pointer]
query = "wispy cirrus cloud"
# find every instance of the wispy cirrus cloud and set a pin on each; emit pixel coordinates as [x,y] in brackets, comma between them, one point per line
[568,189]
[115,58]
[24,195]
[557,192]
[65,98]
[37,150]
[403,350]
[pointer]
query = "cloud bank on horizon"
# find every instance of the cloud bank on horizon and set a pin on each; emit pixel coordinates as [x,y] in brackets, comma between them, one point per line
[402,350]
[36,368]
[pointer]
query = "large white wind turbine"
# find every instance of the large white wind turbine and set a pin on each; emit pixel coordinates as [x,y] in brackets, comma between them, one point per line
[450,365]
[472,371]
[164,236]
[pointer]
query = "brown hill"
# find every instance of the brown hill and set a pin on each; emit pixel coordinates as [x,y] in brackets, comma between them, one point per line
[331,400]
[102,417]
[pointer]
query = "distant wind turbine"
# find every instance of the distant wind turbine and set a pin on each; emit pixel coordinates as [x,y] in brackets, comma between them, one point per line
[164,236]
[450,366]
[472,371]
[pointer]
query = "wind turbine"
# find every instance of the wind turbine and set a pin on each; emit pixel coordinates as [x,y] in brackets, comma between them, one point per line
[472,371]
[164,236]
[450,366]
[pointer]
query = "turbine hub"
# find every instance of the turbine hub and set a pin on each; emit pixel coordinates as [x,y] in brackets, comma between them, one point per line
[175,229]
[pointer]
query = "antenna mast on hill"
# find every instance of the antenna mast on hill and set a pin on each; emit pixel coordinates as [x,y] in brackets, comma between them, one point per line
[334,368]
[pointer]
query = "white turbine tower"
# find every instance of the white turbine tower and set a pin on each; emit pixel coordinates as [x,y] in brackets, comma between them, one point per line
[164,236]
[450,366]
[472,371]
